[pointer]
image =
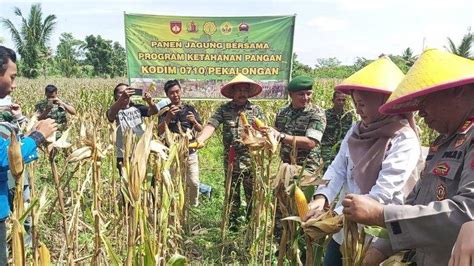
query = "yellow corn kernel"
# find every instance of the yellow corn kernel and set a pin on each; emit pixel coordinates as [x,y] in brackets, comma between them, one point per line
[244,120]
[258,123]
[301,203]
[15,161]
[195,145]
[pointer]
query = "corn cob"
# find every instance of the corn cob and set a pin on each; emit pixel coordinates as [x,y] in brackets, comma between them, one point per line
[258,123]
[195,145]
[244,120]
[15,161]
[301,203]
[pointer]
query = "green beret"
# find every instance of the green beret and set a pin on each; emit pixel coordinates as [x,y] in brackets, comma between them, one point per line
[301,83]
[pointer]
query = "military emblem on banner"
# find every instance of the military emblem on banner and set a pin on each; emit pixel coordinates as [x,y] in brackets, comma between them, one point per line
[226,28]
[192,27]
[175,27]
[243,27]
[209,28]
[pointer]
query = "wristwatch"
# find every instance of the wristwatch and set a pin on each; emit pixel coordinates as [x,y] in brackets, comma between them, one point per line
[282,136]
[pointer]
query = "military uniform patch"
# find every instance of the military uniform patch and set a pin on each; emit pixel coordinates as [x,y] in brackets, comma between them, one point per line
[442,169]
[441,193]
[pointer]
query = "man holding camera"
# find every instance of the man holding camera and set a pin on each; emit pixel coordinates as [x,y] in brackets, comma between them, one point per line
[54,108]
[185,116]
[128,115]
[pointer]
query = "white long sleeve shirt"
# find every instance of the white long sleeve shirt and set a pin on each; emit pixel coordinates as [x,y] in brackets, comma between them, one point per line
[399,162]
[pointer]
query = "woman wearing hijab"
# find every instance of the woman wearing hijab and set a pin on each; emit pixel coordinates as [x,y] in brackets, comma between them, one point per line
[378,154]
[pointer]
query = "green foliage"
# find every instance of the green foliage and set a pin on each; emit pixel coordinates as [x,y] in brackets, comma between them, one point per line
[300,69]
[67,54]
[106,59]
[119,62]
[464,48]
[98,52]
[31,38]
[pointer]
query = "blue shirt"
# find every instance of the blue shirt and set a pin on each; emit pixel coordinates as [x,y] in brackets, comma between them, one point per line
[29,153]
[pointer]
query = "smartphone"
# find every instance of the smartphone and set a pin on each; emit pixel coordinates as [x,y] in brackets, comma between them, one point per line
[138,92]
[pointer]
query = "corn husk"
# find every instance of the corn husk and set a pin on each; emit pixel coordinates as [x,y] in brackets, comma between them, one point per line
[15,160]
[327,223]
[44,255]
[80,154]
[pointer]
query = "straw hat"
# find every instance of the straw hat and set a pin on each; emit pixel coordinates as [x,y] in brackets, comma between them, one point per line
[435,70]
[382,76]
[254,87]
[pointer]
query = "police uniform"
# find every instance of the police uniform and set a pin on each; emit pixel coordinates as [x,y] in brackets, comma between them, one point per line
[443,199]
[337,126]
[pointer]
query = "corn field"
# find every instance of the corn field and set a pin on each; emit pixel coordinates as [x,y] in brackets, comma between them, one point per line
[83,212]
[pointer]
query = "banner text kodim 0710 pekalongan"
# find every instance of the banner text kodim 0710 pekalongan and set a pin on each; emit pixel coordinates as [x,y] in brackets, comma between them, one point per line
[206,52]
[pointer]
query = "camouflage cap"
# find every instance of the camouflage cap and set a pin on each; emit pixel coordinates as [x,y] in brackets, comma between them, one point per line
[301,83]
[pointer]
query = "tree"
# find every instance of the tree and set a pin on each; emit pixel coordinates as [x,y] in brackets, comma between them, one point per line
[99,54]
[299,68]
[408,56]
[330,62]
[119,61]
[464,48]
[361,62]
[67,56]
[31,40]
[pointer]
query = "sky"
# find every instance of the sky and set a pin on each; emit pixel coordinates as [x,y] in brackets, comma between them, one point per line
[345,29]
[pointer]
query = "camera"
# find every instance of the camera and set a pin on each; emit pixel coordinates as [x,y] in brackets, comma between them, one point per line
[138,92]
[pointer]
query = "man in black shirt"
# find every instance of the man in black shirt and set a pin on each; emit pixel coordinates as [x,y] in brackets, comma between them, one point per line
[186,116]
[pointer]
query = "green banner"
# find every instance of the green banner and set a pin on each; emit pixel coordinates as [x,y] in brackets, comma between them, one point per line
[204,53]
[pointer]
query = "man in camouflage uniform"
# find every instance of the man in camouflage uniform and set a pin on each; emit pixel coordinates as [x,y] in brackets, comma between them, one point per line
[240,89]
[302,122]
[54,108]
[441,86]
[338,122]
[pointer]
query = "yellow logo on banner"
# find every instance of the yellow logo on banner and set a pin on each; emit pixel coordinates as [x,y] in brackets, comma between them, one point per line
[226,28]
[209,28]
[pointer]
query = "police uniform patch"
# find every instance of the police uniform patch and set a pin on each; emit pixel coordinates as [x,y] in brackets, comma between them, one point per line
[467,125]
[433,148]
[441,192]
[459,141]
[442,169]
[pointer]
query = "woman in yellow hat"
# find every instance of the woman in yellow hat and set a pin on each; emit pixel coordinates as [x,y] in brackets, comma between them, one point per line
[441,86]
[378,154]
